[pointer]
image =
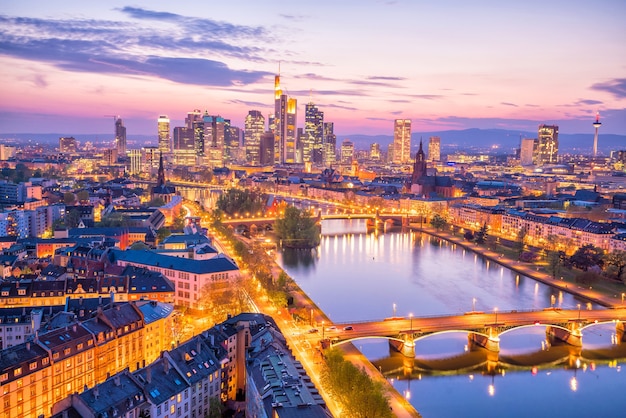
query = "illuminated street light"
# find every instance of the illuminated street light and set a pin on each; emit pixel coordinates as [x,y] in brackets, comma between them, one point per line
[578,311]
[623,298]
[411,319]
[394,306]
[496,311]
[473,304]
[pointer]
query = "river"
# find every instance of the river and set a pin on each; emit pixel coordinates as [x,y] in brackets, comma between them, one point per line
[358,276]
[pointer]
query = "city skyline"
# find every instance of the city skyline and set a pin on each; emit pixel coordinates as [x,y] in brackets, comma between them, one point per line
[444,66]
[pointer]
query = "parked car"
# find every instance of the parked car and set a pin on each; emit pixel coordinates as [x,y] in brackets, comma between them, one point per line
[348,328]
[313,330]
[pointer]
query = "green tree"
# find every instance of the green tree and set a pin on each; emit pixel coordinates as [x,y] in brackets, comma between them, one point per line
[216,409]
[114,220]
[481,235]
[72,219]
[587,256]
[555,263]
[616,264]
[163,233]
[82,196]
[156,202]
[236,201]
[69,199]
[520,240]
[139,245]
[438,222]
[296,229]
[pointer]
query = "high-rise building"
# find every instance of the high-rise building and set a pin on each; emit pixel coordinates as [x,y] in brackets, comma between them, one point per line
[285,126]
[375,151]
[254,129]
[312,141]
[184,146]
[163,131]
[214,134]
[266,154]
[150,159]
[67,145]
[330,144]
[596,125]
[527,151]
[347,151]
[120,137]
[402,141]
[135,165]
[547,144]
[434,148]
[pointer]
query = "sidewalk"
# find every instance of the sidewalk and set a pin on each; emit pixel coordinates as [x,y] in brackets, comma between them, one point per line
[527,270]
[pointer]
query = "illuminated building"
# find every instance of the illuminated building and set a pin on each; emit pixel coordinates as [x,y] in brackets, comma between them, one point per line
[547,144]
[330,144]
[184,146]
[150,158]
[375,151]
[135,166]
[312,141]
[596,125]
[163,132]
[254,128]
[267,148]
[347,151]
[67,145]
[120,137]
[213,139]
[434,148]
[528,151]
[285,145]
[402,141]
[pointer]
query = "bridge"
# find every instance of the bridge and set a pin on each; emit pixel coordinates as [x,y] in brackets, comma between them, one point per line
[483,329]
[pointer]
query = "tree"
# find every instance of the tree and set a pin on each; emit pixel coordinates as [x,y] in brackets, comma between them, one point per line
[616,264]
[468,235]
[163,233]
[587,256]
[72,219]
[82,196]
[69,199]
[296,229]
[438,222]
[520,240]
[157,202]
[555,262]
[481,235]
[215,408]
[236,201]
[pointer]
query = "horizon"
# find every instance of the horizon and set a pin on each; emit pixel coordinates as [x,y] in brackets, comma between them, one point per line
[450,66]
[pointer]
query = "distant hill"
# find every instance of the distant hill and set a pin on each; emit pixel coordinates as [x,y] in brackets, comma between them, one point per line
[467,139]
[483,139]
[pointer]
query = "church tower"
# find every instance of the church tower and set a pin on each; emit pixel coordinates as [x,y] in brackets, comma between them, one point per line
[419,166]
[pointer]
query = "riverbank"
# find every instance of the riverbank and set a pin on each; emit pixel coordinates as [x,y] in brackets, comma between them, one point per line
[527,269]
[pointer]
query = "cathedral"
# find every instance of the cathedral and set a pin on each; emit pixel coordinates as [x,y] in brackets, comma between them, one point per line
[161,190]
[426,186]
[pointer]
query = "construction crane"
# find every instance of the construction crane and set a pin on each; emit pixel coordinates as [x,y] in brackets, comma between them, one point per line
[115,117]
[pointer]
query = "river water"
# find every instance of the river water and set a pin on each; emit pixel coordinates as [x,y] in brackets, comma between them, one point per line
[357,276]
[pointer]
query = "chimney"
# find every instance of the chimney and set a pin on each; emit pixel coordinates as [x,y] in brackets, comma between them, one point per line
[198,345]
[96,392]
[166,366]
[116,380]
[74,328]
[28,345]
[149,374]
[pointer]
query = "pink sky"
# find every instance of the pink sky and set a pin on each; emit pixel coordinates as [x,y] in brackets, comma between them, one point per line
[444,65]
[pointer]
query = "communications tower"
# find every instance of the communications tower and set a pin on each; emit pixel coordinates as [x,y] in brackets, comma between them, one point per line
[596,125]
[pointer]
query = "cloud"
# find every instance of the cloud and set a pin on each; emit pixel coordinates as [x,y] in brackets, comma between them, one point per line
[249,103]
[424,96]
[301,93]
[334,106]
[386,78]
[378,119]
[99,46]
[617,87]
[508,104]
[589,102]
[295,18]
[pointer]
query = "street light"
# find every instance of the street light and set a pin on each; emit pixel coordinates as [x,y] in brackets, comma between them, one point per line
[322,330]
[473,304]
[623,298]
[496,311]
[394,306]
[411,319]
[578,311]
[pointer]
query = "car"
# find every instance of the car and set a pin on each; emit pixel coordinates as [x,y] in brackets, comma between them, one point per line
[348,328]
[331,328]
[313,330]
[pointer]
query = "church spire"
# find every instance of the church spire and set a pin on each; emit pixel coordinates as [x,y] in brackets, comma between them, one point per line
[161,175]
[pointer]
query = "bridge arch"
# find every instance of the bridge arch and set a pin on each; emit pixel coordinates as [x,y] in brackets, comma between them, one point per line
[592,324]
[373,337]
[534,326]
[422,337]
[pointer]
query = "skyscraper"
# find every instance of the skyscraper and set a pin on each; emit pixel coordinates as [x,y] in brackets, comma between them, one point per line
[527,152]
[254,128]
[163,130]
[330,144]
[347,151]
[434,148]
[547,144]
[214,133]
[285,112]
[312,143]
[375,151]
[402,141]
[120,137]
[67,145]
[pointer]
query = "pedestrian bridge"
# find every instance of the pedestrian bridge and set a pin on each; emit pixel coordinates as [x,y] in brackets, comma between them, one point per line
[483,329]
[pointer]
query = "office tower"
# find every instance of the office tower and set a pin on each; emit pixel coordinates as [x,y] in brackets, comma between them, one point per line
[214,133]
[232,144]
[285,126]
[194,122]
[67,145]
[6,152]
[402,141]
[266,154]
[375,152]
[163,131]
[135,165]
[527,151]
[312,141]
[434,148]
[547,144]
[330,144]
[254,127]
[150,159]
[347,151]
[110,156]
[596,125]
[184,147]
[120,137]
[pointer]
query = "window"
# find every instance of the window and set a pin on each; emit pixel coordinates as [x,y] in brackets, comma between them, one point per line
[45,361]
[32,366]
[17,371]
